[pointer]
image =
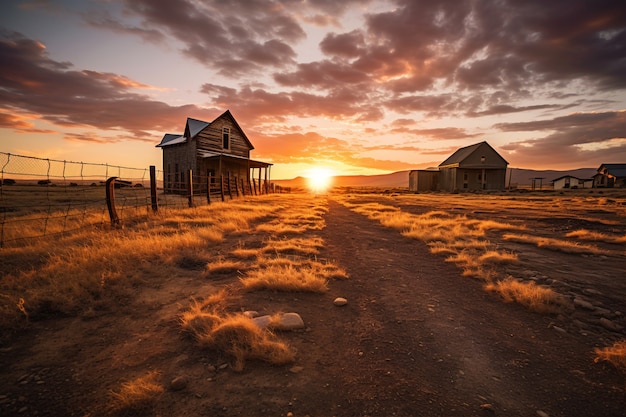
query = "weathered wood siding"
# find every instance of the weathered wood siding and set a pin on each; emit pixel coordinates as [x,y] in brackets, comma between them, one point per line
[210,139]
[177,161]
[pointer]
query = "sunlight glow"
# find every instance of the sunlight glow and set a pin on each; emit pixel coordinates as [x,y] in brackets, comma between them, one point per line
[320,179]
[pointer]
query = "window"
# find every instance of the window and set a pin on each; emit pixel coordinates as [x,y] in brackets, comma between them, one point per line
[226,138]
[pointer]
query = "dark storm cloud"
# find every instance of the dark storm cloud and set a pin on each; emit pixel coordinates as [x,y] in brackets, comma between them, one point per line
[236,37]
[37,87]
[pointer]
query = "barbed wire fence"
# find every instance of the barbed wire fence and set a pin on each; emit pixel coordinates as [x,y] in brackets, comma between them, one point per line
[42,197]
[46,197]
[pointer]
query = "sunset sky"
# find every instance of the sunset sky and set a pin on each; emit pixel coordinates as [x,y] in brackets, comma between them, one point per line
[353,86]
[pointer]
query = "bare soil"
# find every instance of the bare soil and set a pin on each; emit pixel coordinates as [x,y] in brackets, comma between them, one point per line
[415,339]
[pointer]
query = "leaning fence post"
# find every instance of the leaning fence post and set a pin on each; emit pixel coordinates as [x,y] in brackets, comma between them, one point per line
[222,186]
[190,188]
[110,193]
[153,189]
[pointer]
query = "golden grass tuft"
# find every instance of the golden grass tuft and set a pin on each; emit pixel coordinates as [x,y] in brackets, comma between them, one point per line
[240,337]
[288,278]
[554,244]
[137,395]
[535,298]
[308,246]
[224,266]
[584,234]
[615,354]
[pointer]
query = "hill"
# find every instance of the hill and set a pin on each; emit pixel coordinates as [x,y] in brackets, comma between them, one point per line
[515,176]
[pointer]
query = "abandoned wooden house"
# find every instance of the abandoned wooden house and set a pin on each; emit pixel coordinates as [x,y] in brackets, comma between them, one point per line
[210,150]
[474,167]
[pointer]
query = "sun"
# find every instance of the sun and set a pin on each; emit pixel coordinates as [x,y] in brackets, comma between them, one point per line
[320,179]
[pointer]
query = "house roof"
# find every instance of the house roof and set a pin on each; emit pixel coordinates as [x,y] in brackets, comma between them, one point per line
[462,154]
[617,170]
[195,126]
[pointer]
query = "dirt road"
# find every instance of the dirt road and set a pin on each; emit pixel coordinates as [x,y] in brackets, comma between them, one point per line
[415,339]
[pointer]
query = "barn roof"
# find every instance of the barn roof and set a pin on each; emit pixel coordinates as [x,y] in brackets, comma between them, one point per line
[617,170]
[462,154]
[171,139]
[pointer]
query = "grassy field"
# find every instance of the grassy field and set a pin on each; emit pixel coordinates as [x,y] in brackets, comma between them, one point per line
[95,269]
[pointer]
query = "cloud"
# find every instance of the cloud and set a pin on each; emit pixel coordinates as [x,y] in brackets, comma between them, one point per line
[575,138]
[51,91]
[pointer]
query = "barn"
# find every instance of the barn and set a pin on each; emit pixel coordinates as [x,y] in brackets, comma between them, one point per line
[474,167]
[209,150]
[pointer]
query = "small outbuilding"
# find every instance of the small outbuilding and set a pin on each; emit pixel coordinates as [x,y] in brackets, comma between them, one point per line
[474,167]
[209,150]
[423,180]
[610,175]
[571,182]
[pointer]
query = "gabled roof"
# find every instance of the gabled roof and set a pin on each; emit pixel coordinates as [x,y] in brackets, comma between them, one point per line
[171,139]
[195,126]
[617,170]
[462,154]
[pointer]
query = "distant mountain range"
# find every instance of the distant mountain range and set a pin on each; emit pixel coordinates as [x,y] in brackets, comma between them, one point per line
[515,176]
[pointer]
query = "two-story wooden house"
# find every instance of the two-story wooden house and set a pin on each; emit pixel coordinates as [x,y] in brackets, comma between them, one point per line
[215,149]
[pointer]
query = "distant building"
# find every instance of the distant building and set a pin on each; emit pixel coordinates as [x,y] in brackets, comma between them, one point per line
[610,175]
[474,167]
[219,148]
[571,182]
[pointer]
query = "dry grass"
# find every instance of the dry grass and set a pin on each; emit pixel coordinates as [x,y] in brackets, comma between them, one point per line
[539,299]
[583,234]
[233,334]
[303,246]
[615,354]
[138,395]
[224,266]
[553,244]
[286,278]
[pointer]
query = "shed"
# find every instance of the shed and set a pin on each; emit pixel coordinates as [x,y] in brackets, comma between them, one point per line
[474,167]
[571,182]
[218,148]
[423,180]
[610,175]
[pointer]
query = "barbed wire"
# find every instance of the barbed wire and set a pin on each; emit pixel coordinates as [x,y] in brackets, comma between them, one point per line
[43,197]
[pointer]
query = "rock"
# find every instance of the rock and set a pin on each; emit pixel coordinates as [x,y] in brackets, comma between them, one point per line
[251,314]
[286,321]
[290,321]
[340,301]
[488,407]
[296,369]
[542,413]
[178,383]
[262,321]
[599,311]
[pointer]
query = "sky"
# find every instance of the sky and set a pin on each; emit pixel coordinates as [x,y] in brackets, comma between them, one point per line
[352,86]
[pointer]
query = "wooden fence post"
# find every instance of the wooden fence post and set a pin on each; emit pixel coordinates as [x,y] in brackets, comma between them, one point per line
[222,186]
[190,188]
[153,189]
[208,187]
[230,191]
[110,194]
